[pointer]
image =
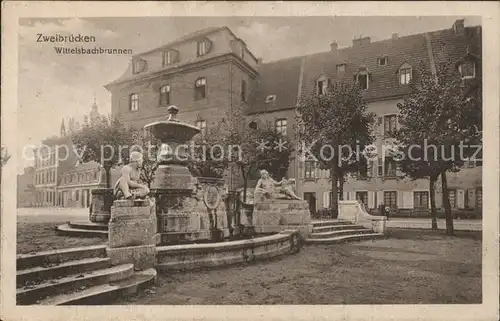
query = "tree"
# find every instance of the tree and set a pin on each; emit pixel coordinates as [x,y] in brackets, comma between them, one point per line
[105,143]
[147,145]
[251,144]
[444,111]
[207,160]
[4,156]
[335,128]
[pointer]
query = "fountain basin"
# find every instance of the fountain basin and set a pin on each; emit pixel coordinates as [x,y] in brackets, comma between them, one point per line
[213,255]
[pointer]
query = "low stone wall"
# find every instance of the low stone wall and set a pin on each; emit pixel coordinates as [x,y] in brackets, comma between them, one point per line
[276,215]
[198,256]
[354,211]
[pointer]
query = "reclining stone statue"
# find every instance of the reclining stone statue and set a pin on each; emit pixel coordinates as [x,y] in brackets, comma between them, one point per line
[266,188]
[127,186]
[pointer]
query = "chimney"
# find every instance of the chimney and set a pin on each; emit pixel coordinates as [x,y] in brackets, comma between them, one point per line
[334,46]
[458,26]
[395,36]
[362,41]
[259,61]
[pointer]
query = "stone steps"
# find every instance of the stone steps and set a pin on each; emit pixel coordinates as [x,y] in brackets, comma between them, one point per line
[99,294]
[329,222]
[39,273]
[32,294]
[330,228]
[69,229]
[345,238]
[330,234]
[339,231]
[87,225]
[25,261]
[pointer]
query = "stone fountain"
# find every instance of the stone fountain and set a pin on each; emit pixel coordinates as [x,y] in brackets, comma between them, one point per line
[187,208]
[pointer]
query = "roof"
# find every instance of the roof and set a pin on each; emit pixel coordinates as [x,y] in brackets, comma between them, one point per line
[187,37]
[128,75]
[281,78]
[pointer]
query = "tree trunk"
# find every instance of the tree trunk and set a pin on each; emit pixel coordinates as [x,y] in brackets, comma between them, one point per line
[334,201]
[447,205]
[245,182]
[432,197]
[341,186]
[107,170]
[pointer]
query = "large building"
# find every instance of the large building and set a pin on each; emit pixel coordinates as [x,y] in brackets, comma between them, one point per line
[53,157]
[212,71]
[25,188]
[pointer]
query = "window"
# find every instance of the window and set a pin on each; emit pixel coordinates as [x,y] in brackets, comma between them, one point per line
[391,199]
[362,80]
[389,125]
[200,89]
[138,66]
[380,167]
[421,199]
[134,102]
[243,90]
[467,195]
[270,98]
[467,70]
[169,57]
[479,197]
[404,76]
[390,167]
[202,125]
[363,172]
[382,61]
[164,95]
[341,68]
[280,126]
[322,86]
[201,48]
[310,169]
[363,197]
[452,194]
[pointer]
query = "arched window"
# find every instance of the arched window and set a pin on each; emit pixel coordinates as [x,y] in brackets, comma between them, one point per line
[405,74]
[164,95]
[200,88]
[134,102]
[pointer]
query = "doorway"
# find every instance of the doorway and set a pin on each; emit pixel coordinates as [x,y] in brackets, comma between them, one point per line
[311,200]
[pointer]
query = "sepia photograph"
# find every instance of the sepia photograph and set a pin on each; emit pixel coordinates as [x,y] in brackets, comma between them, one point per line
[253,160]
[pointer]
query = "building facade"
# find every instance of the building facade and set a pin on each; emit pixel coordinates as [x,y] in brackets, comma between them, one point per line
[76,185]
[26,188]
[211,71]
[53,157]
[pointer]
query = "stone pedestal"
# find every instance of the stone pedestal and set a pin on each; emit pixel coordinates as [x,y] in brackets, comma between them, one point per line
[276,215]
[102,200]
[132,233]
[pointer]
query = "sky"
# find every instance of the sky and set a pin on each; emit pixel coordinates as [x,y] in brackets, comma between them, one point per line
[55,86]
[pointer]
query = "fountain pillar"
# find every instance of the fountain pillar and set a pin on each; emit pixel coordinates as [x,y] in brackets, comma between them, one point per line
[180,209]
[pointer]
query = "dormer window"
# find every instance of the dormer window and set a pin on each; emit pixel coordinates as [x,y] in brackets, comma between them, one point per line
[170,57]
[322,85]
[203,47]
[405,72]
[270,98]
[467,69]
[362,78]
[340,68]
[138,66]
[382,61]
